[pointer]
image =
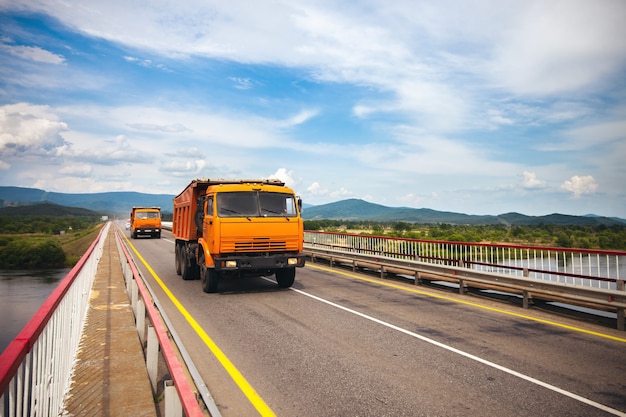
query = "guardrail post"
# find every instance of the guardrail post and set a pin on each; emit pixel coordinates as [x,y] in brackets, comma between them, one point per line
[173,408]
[418,278]
[621,312]
[462,286]
[382,272]
[152,356]
[140,320]
[134,296]
[527,299]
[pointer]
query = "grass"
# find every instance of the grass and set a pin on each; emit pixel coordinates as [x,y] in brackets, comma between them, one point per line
[75,245]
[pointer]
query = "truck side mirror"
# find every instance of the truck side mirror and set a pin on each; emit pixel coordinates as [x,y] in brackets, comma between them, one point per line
[299,204]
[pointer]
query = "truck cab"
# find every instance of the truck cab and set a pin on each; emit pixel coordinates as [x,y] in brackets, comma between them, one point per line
[145,221]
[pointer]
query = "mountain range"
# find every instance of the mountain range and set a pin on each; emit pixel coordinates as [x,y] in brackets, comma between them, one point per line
[121,202]
[360,210]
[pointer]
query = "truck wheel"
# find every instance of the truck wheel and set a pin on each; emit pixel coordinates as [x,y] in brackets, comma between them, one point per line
[188,272]
[177,258]
[209,278]
[285,277]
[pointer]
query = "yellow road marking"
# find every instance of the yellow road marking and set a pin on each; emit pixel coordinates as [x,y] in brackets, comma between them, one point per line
[468,303]
[234,373]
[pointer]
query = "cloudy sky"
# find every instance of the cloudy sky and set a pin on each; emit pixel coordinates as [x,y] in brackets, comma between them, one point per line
[479,107]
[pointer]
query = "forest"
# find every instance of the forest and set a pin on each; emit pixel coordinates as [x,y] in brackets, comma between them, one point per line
[36,242]
[31,242]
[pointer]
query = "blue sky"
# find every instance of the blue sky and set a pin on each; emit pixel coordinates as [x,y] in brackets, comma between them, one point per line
[479,107]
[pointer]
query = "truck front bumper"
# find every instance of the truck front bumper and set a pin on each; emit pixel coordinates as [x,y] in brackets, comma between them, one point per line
[147,231]
[259,262]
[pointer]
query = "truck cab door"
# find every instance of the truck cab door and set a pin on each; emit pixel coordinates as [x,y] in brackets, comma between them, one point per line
[208,232]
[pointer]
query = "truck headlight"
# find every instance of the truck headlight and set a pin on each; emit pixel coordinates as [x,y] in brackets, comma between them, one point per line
[231,264]
[292,261]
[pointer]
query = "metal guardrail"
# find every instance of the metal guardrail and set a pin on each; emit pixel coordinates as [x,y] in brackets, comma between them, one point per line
[178,394]
[588,267]
[36,367]
[608,299]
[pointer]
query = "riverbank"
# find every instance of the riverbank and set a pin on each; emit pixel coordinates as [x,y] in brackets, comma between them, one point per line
[44,251]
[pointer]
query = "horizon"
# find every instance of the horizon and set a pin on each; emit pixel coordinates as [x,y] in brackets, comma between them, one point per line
[305,204]
[462,107]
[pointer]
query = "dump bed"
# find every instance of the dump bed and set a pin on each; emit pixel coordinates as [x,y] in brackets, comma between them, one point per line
[186,204]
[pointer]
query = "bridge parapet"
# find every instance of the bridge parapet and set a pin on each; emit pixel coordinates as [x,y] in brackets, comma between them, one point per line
[574,276]
[36,367]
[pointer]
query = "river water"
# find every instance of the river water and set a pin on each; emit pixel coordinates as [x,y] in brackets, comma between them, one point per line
[21,295]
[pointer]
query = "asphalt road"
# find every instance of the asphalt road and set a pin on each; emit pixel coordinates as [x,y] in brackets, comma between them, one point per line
[345,344]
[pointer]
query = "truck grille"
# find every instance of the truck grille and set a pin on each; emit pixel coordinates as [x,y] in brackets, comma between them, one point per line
[259,245]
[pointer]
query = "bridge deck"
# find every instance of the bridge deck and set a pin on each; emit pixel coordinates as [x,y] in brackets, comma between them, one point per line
[110,373]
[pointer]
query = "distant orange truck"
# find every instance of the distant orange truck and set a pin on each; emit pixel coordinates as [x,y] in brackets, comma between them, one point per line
[145,221]
[231,228]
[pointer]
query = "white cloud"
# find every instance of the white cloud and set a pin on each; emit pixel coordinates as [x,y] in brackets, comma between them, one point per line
[77,170]
[299,118]
[189,169]
[530,180]
[580,185]
[285,176]
[341,193]
[316,189]
[29,128]
[32,53]
[242,83]
[548,46]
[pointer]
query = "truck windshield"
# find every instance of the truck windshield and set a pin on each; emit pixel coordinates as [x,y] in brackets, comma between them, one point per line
[147,215]
[256,204]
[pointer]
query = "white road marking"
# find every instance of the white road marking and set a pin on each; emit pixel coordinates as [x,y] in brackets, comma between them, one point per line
[469,356]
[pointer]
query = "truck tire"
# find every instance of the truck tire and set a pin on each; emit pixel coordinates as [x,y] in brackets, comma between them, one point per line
[285,277]
[177,257]
[209,278]
[189,268]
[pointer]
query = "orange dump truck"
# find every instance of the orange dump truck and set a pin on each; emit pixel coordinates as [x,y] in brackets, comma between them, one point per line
[145,221]
[231,228]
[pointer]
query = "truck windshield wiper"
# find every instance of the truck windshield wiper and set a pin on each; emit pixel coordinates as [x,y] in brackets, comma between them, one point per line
[231,211]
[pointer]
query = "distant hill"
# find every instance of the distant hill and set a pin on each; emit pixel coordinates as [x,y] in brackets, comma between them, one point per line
[352,209]
[359,210]
[120,202]
[47,209]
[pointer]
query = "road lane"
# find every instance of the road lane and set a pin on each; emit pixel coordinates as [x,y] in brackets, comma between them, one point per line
[305,357]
